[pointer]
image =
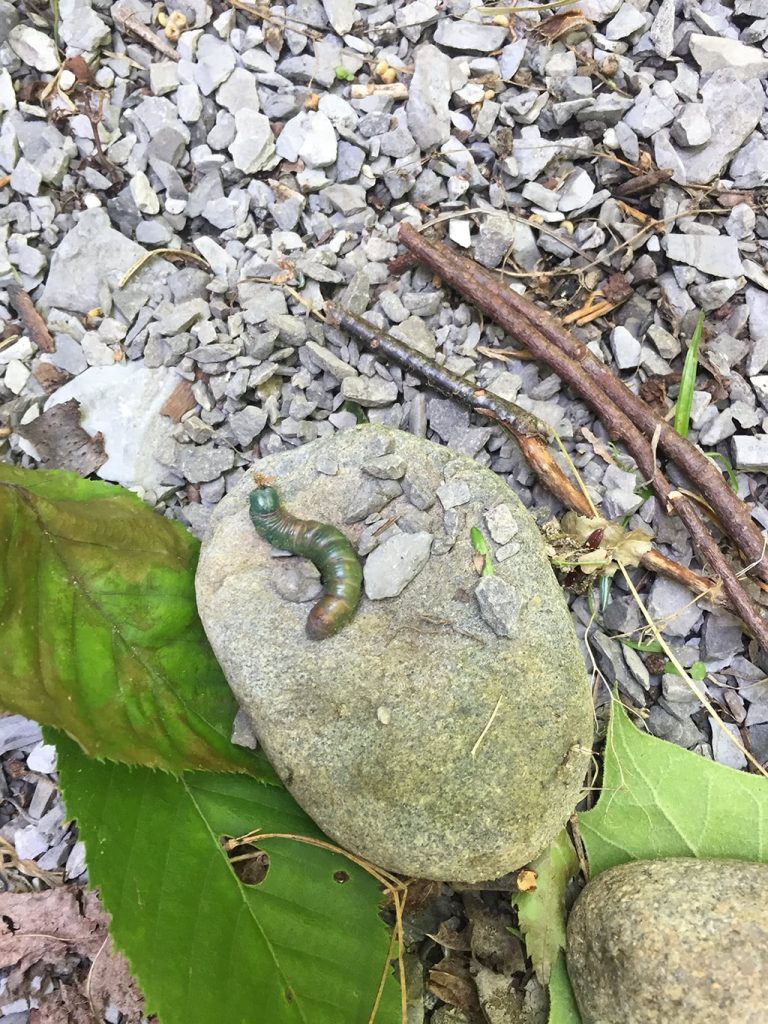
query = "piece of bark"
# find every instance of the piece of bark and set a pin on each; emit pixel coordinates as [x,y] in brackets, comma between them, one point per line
[62,443]
[50,377]
[179,402]
[34,324]
[643,183]
[510,312]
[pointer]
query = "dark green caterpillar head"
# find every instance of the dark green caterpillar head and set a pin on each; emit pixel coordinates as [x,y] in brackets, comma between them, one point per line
[264,499]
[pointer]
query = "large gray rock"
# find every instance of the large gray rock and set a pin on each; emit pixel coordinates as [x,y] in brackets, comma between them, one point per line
[733,109]
[672,940]
[123,403]
[416,736]
[90,258]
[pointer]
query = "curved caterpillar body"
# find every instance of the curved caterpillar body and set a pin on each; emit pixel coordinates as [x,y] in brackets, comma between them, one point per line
[326,547]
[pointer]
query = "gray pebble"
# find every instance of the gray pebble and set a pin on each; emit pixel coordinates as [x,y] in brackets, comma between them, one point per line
[247,424]
[370,392]
[372,496]
[299,582]
[501,523]
[750,453]
[453,493]
[326,465]
[673,608]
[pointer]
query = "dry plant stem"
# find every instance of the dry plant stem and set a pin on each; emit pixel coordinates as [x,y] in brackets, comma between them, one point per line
[532,446]
[526,321]
[656,562]
[131,23]
[483,290]
[33,322]
[697,691]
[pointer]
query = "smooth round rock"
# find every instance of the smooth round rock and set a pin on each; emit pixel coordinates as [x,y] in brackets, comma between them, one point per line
[416,736]
[672,940]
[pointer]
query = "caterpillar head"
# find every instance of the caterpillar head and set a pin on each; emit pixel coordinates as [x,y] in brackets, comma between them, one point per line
[262,500]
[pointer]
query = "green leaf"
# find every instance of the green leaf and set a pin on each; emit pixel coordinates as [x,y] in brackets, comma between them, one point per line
[345,74]
[480,545]
[658,801]
[688,381]
[697,671]
[651,647]
[733,483]
[478,541]
[101,636]
[305,946]
[541,913]
[562,1005]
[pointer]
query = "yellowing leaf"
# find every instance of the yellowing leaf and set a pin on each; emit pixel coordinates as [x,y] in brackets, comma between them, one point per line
[99,625]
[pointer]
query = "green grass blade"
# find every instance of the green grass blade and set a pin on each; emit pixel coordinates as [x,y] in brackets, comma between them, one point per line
[480,545]
[733,483]
[688,381]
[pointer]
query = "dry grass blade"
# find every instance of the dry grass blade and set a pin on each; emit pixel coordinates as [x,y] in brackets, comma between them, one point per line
[180,254]
[690,683]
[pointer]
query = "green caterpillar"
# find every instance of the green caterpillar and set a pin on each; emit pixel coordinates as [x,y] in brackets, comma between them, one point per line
[325,546]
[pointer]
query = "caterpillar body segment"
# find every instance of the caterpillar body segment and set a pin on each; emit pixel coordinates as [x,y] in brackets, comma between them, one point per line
[326,547]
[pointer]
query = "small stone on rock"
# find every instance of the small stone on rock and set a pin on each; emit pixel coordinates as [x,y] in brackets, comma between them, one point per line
[391,567]
[499,605]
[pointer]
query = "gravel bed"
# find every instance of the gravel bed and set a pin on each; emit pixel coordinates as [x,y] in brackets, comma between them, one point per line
[280,152]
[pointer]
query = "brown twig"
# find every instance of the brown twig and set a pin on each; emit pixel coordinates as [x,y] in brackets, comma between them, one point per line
[487,294]
[35,325]
[451,384]
[532,446]
[643,183]
[526,321]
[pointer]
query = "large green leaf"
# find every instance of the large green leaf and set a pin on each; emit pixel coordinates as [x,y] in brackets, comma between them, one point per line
[305,945]
[658,800]
[541,912]
[100,633]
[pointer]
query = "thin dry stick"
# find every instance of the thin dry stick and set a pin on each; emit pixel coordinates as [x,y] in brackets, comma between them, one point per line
[35,325]
[438,377]
[481,288]
[696,690]
[493,296]
[532,446]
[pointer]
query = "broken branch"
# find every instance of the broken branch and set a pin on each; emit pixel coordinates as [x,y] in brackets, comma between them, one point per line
[523,319]
[512,313]
[532,446]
